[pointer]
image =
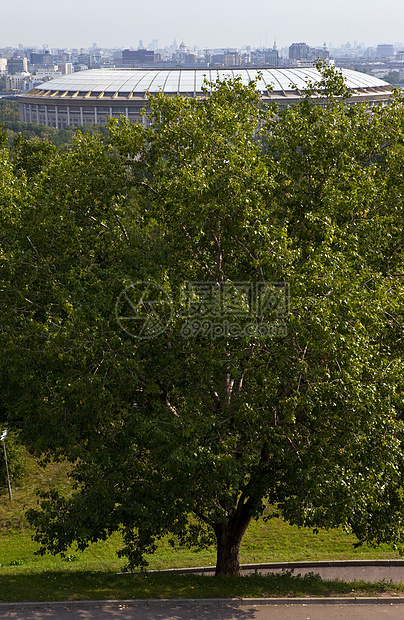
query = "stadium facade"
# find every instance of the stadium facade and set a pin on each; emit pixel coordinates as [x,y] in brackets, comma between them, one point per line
[91,97]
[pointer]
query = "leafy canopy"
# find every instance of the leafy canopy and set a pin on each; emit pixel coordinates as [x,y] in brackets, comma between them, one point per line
[177,421]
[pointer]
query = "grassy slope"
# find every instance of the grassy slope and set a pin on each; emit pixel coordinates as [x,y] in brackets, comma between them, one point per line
[93,573]
[272,542]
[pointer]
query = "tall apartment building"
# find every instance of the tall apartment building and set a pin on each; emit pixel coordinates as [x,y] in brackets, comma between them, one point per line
[40,58]
[385,51]
[299,51]
[17,64]
[303,52]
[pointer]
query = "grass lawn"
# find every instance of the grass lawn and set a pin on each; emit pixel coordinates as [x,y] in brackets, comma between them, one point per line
[94,573]
[90,585]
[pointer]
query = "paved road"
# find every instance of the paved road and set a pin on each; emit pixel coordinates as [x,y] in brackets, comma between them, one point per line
[371,574]
[372,571]
[235,611]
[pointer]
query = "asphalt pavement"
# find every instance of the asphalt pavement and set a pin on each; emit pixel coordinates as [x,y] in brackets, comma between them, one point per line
[372,571]
[349,570]
[261,609]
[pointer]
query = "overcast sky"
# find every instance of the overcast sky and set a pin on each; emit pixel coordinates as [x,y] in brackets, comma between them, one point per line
[207,23]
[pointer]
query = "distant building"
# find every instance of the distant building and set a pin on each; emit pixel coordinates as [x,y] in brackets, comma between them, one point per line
[303,52]
[183,55]
[19,81]
[298,51]
[317,53]
[40,58]
[83,59]
[229,59]
[133,58]
[271,57]
[385,51]
[17,64]
[265,57]
[48,74]
[66,68]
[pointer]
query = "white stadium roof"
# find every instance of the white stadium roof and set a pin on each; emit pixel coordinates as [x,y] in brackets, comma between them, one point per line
[110,82]
[91,97]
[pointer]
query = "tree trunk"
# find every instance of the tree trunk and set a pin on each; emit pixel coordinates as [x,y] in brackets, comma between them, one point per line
[228,537]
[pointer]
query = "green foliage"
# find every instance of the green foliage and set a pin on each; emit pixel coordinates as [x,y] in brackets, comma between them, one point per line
[16,459]
[31,157]
[31,131]
[15,129]
[393,77]
[306,414]
[9,111]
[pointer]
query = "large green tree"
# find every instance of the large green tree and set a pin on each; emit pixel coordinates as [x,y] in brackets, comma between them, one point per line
[205,318]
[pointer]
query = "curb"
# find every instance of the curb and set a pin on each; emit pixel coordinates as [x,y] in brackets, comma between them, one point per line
[286,566]
[220,602]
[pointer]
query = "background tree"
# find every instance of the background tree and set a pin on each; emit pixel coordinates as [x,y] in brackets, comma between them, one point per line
[217,398]
[393,77]
[16,130]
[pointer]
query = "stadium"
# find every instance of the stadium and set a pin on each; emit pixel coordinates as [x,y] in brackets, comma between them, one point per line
[91,97]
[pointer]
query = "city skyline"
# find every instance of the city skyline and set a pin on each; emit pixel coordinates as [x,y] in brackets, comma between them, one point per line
[208,24]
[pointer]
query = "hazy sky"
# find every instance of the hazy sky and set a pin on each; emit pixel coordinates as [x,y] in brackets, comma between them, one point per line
[211,23]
